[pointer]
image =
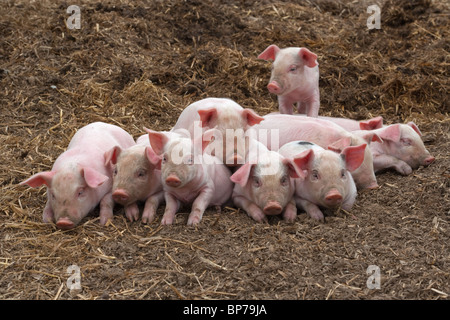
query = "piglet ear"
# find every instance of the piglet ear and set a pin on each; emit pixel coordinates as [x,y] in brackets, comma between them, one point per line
[270,53]
[340,144]
[415,127]
[157,140]
[371,124]
[309,58]
[294,171]
[372,137]
[303,161]
[112,155]
[369,135]
[93,178]
[353,156]
[251,116]
[39,179]
[391,133]
[153,158]
[207,117]
[242,174]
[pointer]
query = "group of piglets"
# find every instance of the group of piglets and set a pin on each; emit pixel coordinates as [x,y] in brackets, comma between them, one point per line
[219,152]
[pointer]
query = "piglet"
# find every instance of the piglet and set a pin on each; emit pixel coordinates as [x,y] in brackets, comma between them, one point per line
[294,79]
[188,175]
[325,179]
[323,133]
[136,178]
[402,148]
[228,117]
[80,179]
[263,184]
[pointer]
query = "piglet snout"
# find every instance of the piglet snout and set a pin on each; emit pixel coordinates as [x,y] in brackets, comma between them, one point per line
[272,208]
[120,196]
[333,197]
[173,181]
[428,160]
[274,87]
[65,223]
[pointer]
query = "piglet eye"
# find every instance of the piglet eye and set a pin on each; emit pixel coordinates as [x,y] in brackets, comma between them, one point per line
[314,175]
[293,68]
[141,173]
[115,172]
[406,142]
[284,180]
[256,182]
[164,159]
[81,192]
[343,175]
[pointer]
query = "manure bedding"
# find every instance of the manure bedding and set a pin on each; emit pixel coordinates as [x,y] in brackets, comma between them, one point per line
[139,63]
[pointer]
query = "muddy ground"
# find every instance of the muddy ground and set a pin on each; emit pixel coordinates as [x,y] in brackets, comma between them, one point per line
[139,63]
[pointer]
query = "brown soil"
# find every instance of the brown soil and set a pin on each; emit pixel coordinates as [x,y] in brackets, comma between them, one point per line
[138,63]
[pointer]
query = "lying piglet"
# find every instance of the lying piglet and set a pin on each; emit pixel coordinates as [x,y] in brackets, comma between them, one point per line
[136,178]
[402,147]
[79,179]
[294,79]
[264,186]
[225,115]
[189,176]
[325,179]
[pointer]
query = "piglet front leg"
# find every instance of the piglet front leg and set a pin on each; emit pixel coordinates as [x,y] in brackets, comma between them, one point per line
[250,207]
[384,161]
[312,105]
[199,206]
[311,209]
[290,212]
[151,205]
[132,212]
[172,205]
[286,104]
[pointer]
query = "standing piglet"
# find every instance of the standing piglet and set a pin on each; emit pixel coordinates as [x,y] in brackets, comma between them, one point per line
[230,120]
[264,185]
[325,179]
[136,178]
[402,147]
[80,179]
[189,176]
[294,79]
